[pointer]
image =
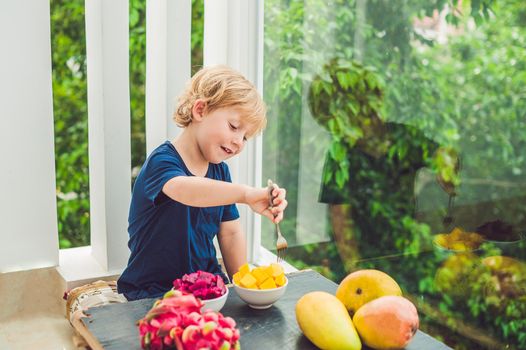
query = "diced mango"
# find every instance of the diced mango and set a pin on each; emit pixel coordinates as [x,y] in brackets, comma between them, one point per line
[248,280]
[280,280]
[268,284]
[269,270]
[261,277]
[276,270]
[237,277]
[260,274]
[458,246]
[244,269]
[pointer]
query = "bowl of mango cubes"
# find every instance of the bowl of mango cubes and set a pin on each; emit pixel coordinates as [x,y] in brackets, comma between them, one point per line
[261,286]
[458,240]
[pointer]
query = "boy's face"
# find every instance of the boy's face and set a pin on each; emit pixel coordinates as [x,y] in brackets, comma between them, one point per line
[221,134]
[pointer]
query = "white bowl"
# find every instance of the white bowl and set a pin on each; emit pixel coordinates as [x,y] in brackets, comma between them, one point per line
[215,304]
[261,298]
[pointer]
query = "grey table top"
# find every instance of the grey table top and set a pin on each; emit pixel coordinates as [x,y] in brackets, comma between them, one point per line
[274,328]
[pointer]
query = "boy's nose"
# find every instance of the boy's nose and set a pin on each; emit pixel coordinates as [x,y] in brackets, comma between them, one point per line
[238,143]
[238,140]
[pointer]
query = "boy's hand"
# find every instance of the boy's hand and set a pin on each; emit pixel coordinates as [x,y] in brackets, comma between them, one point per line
[258,200]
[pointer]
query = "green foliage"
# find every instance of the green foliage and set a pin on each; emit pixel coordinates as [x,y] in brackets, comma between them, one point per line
[198,10]
[346,98]
[137,82]
[68,44]
[466,95]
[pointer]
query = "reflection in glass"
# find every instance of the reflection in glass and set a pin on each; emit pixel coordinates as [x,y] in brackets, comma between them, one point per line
[394,123]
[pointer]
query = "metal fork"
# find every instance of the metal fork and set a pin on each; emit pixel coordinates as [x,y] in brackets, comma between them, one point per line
[281,242]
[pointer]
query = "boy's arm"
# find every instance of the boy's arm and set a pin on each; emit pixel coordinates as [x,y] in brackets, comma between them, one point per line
[233,245]
[203,192]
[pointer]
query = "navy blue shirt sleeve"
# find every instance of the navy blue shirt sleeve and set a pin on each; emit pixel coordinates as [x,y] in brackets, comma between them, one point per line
[159,170]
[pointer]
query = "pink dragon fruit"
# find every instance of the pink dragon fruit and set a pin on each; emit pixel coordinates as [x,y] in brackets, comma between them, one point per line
[176,322]
[204,285]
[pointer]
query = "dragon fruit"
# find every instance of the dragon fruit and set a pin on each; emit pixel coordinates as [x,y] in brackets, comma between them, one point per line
[176,322]
[204,285]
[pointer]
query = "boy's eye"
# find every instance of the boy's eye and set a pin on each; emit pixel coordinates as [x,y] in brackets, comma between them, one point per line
[244,138]
[233,127]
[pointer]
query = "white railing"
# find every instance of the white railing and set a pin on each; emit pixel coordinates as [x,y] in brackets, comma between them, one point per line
[28,219]
[107,51]
[28,235]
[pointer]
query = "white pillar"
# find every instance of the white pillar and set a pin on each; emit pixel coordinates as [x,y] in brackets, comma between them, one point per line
[107,42]
[168,60]
[28,214]
[233,35]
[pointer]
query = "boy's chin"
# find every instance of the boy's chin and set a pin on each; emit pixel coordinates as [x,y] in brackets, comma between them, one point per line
[217,160]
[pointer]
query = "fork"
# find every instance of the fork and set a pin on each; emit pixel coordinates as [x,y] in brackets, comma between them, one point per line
[281,242]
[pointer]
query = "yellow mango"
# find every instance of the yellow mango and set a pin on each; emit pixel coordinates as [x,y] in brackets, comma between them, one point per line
[459,246]
[280,280]
[362,286]
[269,270]
[248,280]
[260,274]
[324,320]
[244,269]
[441,240]
[268,284]
[276,269]
[237,277]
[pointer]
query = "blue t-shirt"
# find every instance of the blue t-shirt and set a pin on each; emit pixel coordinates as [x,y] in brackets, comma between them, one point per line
[169,239]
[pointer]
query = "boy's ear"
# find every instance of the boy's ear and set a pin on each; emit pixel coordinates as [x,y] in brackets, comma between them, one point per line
[198,109]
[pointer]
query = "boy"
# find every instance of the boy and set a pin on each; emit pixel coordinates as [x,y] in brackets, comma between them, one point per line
[183,195]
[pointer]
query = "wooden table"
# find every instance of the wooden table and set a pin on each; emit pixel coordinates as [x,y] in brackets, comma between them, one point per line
[114,326]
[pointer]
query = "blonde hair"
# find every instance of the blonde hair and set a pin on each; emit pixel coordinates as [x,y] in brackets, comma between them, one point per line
[219,87]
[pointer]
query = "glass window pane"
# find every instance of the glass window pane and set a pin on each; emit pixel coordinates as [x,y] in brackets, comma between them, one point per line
[398,130]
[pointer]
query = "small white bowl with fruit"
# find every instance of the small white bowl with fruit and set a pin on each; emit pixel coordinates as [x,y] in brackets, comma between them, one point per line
[207,287]
[260,287]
